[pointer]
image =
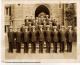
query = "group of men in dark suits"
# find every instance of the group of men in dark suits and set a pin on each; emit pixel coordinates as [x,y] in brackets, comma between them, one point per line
[40,32]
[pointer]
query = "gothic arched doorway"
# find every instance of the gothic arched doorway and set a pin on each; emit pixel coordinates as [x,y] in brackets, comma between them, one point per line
[42,10]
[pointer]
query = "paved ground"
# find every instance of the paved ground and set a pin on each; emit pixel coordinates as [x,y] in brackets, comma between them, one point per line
[22,55]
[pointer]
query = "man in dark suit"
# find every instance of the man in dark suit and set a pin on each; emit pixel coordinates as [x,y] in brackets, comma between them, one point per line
[36,18]
[31,19]
[11,39]
[33,39]
[50,23]
[42,19]
[69,38]
[36,21]
[53,22]
[55,39]
[23,28]
[22,33]
[29,29]
[48,39]
[44,28]
[33,22]
[26,21]
[41,39]
[26,40]
[18,40]
[47,19]
[39,21]
[51,28]
[29,26]
[37,31]
[62,38]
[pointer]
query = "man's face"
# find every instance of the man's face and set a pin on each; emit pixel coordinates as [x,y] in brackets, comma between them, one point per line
[26,17]
[36,18]
[41,29]
[33,28]
[15,30]
[47,16]
[11,30]
[50,23]
[63,28]
[48,28]
[54,29]
[70,28]
[26,30]
[29,24]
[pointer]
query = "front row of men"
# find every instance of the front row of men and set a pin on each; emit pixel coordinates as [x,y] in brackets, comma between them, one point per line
[48,36]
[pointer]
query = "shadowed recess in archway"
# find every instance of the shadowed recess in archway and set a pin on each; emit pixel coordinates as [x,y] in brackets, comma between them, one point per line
[40,9]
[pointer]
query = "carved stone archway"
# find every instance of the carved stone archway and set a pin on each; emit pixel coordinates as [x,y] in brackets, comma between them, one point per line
[42,9]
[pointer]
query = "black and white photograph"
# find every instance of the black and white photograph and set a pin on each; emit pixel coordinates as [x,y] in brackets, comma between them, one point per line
[36,31]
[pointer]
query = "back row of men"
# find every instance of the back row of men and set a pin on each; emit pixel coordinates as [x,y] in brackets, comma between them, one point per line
[40,21]
[49,35]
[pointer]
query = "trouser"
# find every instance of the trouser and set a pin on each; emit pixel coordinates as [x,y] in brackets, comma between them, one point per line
[29,37]
[33,47]
[26,47]
[18,47]
[55,47]
[62,47]
[22,37]
[11,47]
[48,44]
[37,40]
[41,46]
[69,46]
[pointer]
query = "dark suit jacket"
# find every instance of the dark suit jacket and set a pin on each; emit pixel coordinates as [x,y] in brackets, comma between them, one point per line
[37,35]
[11,36]
[30,28]
[18,36]
[33,36]
[41,35]
[62,36]
[55,36]
[26,36]
[48,36]
[69,36]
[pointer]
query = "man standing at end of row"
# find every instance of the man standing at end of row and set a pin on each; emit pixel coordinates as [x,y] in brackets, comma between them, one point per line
[11,39]
[69,38]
